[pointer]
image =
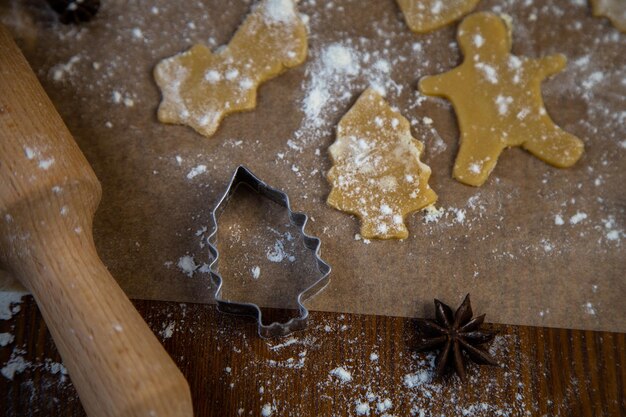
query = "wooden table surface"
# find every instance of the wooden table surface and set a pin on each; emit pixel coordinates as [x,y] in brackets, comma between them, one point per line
[231,371]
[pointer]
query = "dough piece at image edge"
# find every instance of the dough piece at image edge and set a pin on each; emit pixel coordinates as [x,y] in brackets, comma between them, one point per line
[424,16]
[200,87]
[377,174]
[498,103]
[614,10]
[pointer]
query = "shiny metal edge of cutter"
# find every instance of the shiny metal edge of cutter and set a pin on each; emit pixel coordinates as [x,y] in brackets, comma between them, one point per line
[243,175]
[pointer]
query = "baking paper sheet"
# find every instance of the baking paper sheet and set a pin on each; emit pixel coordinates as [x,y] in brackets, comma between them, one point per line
[535,245]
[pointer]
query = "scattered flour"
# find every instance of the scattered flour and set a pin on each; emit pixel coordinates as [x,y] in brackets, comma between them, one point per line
[288,342]
[417,379]
[267,410]
[433,214]
[384,405]
[459,215]
[59,71]
[478,40]
[9,304]
[277,253]
[188,265]
[256,272]
[362,409]
[282,11]
[44,163]
[195,171]
[6,338]
[337,62]
[503,102]
[56,368]
[613,234]
[137,33]
[488,71]
[119,98]
[475,167]
[15,365]
[339,71]
[341,373]
[168,330]
[589,309]
[577,218]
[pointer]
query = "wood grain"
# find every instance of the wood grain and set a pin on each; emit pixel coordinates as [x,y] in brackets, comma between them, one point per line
[547,372]
[48,197]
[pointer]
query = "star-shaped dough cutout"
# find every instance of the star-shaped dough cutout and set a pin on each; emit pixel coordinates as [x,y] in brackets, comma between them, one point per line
[200,87]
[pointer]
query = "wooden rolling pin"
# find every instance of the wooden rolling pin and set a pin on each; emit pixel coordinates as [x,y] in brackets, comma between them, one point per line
[48,197]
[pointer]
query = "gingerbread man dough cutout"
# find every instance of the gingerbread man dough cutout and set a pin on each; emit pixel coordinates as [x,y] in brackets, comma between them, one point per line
[498,103]
[377,174]
[200,87]
[424,16]
[615,10]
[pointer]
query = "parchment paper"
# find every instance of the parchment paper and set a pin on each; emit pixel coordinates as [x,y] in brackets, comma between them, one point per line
[503,243]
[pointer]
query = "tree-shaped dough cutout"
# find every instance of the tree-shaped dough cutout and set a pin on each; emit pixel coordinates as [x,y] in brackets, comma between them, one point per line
[424,16]
[498,103]
[200,87]
[377,174]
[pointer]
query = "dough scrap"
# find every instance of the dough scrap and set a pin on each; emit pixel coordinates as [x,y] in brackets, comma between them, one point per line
[200,87]
[424,16]
[615,10]
[498,103]
[377,173]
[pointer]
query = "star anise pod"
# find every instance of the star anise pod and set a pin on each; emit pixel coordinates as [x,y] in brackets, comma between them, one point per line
[454,334]
[75,11]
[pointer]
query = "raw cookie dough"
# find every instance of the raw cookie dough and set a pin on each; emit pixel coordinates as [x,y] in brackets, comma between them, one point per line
[497,99]
[427,15]
[200,87]
[377,173]
[615,10]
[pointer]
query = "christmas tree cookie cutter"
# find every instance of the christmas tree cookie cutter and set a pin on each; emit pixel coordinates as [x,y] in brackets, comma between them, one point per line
[243,176]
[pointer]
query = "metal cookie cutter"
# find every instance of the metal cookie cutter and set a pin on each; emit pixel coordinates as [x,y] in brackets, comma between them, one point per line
[243,176]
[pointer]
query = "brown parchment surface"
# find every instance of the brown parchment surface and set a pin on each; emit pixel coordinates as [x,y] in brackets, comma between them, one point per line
[498,242]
